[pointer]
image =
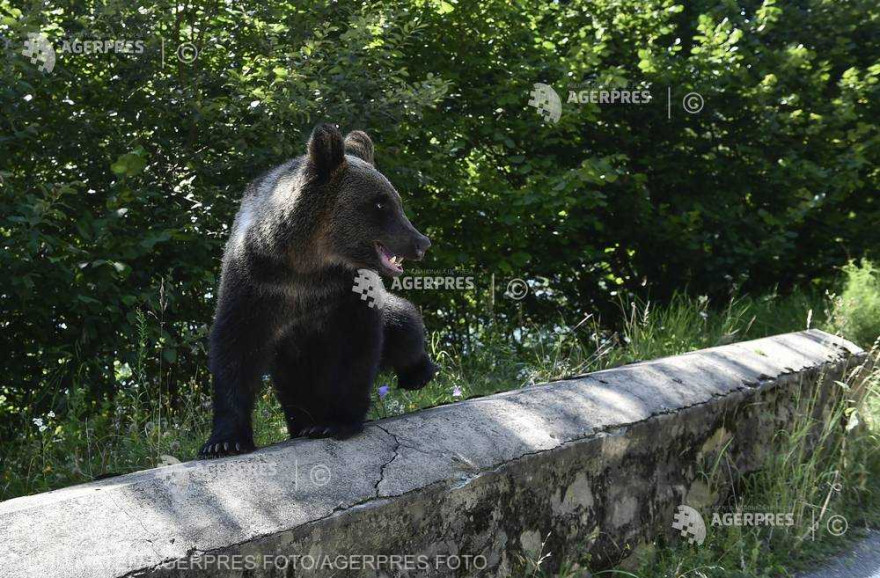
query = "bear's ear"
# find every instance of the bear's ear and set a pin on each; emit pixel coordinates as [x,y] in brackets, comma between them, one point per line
[359,144]
[326,149]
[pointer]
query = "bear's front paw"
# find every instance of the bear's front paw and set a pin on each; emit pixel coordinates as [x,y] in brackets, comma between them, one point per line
[220,446]
[417,376]
[339,431]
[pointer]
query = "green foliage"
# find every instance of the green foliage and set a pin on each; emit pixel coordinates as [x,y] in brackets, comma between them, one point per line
[859,305]
[120,173]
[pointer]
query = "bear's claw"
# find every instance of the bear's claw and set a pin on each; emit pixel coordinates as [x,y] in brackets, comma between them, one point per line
[333,430]
[215,449]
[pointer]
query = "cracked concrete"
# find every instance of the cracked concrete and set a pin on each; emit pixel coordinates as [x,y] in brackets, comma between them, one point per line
[397,446]
[597,462]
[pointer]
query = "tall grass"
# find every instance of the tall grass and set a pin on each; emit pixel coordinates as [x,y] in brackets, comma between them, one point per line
[858,307]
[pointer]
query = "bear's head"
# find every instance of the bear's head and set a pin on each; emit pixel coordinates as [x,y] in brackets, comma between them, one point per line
[364,225]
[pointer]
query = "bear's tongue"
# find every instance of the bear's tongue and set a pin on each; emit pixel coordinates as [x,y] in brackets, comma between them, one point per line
[389,260]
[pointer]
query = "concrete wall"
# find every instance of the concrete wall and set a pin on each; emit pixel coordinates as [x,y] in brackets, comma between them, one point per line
[597,463]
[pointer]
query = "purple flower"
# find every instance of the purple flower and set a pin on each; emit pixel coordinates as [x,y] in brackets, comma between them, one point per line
[456,391]
[383,391]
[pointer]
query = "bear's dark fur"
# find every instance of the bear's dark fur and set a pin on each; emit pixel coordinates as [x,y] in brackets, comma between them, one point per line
[286,304]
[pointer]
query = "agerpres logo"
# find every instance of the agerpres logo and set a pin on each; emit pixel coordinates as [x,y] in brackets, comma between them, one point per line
[752,519]
[604,95]
[434,279]
[545,99]
[43,52]
[549,105]
[39,50]
[690,524]
[77,46]
[371,289]
[368,284]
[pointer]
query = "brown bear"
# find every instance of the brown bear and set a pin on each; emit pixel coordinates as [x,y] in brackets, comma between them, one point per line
[289,305]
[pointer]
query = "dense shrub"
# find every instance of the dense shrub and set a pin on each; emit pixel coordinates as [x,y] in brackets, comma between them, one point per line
[858,309]
[120,173]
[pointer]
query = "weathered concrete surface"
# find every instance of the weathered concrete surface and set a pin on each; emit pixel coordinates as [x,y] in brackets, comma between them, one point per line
[598,463]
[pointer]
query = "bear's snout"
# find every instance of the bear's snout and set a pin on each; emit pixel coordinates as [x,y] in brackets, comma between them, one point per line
[422,243]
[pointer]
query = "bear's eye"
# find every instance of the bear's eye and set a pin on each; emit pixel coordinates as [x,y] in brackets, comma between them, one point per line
[380,205]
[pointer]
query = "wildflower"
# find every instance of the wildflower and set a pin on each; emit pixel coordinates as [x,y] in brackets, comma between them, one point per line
[39,423]
[456,391]
[383,391]
[51,414]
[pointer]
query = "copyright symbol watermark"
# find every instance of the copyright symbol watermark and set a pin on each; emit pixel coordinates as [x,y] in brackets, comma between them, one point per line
[837,525]
[692,103]
[320,475]
[187,53]
[517,289]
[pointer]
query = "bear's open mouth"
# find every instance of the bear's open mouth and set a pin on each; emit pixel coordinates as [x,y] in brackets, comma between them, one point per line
[392,263]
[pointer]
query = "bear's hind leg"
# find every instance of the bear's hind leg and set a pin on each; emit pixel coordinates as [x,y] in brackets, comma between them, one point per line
[346,383]
[348,353]
[299,414]
[323,383]
[294,379]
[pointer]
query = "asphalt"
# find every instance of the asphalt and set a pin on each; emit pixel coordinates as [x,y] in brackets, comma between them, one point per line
[862,561]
